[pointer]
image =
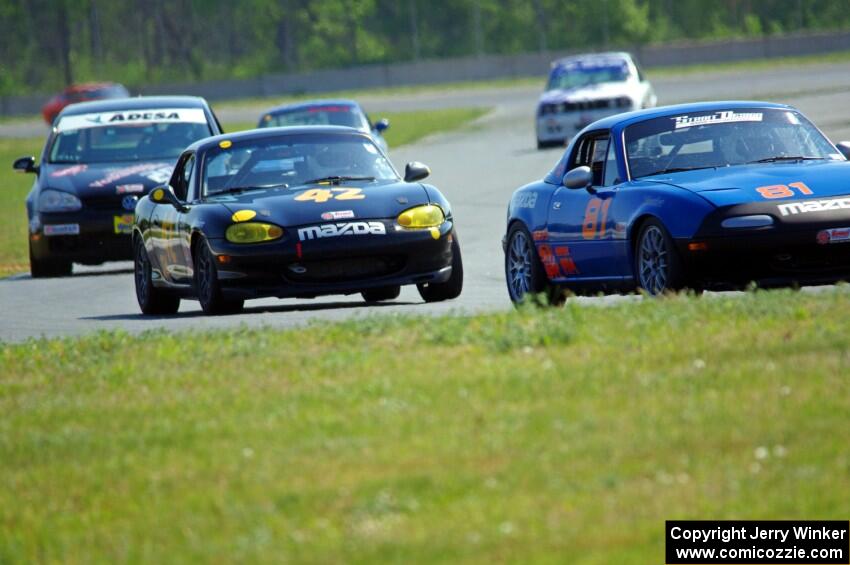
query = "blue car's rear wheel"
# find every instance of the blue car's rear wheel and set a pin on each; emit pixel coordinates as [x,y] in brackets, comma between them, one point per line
[658,268]
[524,273]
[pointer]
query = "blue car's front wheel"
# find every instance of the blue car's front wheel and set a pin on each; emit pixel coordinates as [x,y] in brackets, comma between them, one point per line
[658,268]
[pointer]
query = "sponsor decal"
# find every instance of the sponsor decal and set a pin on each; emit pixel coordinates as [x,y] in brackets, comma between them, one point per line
[540,235]
[525,200]
[129,202]
[557,262]
[834,235]
[129,188]
[338,215]
[153,115]
[724,117]
[341,229]
[62,229]
[807,207]
[69,171]
[118,174]
[123,224]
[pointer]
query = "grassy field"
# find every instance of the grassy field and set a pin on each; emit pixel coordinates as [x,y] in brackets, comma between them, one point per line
[565,436]
[406,127]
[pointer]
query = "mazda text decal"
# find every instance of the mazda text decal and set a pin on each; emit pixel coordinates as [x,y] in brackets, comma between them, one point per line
[793,208]
[154,115]
[336,230]
[725,117]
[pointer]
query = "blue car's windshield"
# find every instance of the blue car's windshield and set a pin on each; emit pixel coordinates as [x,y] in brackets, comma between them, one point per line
[324,115]
[288,161]
[579,74]
[721,138]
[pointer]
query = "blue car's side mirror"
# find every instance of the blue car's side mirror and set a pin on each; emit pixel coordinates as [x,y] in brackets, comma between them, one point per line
[580,177]
[382,125]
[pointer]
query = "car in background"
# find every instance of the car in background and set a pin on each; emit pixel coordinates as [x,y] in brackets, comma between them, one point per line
[292,212]
[82,93]
[584,88]
[98,161]
[704,196]
[326,113]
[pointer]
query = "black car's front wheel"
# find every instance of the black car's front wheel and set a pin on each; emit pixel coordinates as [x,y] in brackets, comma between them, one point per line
[152,301]
[658,267]
[42,268]
[207,286]
[381,294]
[451,289]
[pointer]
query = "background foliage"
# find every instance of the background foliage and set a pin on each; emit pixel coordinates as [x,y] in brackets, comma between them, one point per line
[47,43]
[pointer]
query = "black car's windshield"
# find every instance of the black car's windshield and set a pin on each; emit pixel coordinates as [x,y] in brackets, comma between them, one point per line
[577,74]
[320,115]
[146,135]
[721,138]
[289,161]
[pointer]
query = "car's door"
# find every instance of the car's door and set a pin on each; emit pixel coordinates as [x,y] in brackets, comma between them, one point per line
[586,225]
[170,227]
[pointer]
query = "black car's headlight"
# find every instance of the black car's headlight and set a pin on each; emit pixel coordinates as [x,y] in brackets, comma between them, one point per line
[253,232]
[58,201]
[420,217]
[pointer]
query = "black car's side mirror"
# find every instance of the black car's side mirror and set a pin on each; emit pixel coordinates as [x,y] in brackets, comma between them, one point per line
[415,171]
[844,147]
[382,125]
[165,195]
[25,165]
[580,177]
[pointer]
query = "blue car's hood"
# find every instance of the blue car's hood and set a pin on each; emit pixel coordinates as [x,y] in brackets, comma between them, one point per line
[728,186]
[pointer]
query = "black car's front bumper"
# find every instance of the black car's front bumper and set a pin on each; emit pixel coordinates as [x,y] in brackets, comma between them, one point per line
[341,265]
[97,238]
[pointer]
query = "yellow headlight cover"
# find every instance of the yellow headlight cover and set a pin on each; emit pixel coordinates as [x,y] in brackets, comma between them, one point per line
[427,216]
[252,232]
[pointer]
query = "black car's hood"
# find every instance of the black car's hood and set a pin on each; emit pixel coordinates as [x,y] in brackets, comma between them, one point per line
[102,179]
[292,207]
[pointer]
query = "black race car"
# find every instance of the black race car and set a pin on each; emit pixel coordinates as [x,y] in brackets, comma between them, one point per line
[292,212]
[99,159]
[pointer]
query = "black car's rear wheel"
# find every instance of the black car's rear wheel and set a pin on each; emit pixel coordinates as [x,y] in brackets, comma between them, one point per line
[658,267]
[207,287]
[380,294]
[451,289]
[524,272]
[152,301]
[42,268]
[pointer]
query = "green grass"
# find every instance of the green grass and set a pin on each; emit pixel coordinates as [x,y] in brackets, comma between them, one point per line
[561,436]
[406,127]
[13,216]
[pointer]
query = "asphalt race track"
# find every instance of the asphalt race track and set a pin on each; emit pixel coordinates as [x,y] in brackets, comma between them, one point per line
[476,168]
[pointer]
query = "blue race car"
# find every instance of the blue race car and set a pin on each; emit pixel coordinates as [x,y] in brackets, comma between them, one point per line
[706,196]
[327,113]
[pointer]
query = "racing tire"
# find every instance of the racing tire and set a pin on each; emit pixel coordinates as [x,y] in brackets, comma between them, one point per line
[451,289]
[524,274]
[658,267]
[44,268]
[381,294]
[207,286]
[152,301]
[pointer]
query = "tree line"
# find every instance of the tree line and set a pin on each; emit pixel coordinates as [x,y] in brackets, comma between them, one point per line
[45,44]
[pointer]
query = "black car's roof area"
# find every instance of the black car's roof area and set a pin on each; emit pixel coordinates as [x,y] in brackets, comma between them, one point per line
[286,108]
[137,103]
[268,133]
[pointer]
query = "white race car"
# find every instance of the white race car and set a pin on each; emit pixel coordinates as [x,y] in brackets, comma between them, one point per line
[584,88]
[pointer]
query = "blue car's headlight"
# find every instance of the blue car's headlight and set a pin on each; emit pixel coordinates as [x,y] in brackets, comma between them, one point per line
[743,222]
[58,201]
